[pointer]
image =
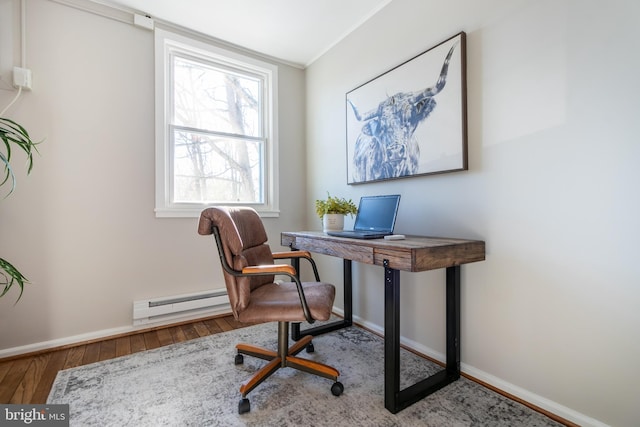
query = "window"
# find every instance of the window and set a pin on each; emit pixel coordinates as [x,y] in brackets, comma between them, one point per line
[215,129]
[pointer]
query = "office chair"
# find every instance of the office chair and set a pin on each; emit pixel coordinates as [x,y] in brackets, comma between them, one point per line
[249,272]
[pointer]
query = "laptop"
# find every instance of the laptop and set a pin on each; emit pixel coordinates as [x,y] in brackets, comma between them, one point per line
[375,219]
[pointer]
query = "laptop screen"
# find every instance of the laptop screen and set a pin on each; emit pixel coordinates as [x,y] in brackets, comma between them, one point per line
[377,213]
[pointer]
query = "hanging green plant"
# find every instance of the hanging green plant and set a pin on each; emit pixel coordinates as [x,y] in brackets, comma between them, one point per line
[13,134]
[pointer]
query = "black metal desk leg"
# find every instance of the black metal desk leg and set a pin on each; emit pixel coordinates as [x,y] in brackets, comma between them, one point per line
[395,399]
[348,292]
[296,333]
[391,337]
[453,321]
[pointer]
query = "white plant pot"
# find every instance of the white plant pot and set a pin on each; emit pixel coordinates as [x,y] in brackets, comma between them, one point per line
[332,222]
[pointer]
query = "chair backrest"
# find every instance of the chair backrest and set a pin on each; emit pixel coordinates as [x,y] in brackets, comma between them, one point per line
[243,240]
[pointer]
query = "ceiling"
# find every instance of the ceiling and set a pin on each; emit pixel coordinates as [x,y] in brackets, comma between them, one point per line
[295,31]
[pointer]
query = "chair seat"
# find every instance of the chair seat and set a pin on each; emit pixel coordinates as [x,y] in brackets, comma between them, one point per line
[280,302]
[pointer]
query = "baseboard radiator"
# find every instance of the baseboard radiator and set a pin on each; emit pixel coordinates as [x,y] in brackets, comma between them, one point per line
[175,307]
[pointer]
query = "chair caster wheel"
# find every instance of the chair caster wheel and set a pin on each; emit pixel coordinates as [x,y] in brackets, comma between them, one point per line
[239,360]
[310,348]
[337,388]
[244,406]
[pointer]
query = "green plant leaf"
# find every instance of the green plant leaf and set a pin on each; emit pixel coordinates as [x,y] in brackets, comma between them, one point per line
[9,276]
[11,133]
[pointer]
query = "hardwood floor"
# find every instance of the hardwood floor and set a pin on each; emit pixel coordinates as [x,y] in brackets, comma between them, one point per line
[28,379]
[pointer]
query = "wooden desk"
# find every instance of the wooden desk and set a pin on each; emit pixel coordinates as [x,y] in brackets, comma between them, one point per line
[415,253]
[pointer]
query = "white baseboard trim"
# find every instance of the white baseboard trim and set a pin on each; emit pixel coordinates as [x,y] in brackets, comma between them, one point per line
[527,396]
[532,398]
[90,336]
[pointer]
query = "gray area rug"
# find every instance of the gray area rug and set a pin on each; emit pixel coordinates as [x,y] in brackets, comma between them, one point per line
[196,384]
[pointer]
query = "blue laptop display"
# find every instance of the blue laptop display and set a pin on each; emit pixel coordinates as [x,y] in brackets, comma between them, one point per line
[375,219]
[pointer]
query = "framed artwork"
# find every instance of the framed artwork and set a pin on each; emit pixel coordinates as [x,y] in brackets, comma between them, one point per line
[411,120]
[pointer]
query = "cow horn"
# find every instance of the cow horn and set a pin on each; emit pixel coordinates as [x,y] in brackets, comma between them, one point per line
[442,80]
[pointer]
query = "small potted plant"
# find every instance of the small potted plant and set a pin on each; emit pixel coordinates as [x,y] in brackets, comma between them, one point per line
[332,211]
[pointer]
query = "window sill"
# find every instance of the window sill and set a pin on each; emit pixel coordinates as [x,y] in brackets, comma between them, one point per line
[194,212]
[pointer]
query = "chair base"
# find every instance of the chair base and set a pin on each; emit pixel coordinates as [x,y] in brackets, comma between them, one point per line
[283,358]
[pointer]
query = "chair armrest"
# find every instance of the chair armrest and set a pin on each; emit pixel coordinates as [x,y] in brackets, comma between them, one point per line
[297,255]
[270,269]
[291,254]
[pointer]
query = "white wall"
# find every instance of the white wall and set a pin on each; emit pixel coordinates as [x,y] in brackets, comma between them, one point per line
[82,226]
[553,104]
[553,100]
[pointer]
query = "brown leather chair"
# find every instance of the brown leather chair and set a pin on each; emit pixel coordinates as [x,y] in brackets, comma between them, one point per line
[249,272]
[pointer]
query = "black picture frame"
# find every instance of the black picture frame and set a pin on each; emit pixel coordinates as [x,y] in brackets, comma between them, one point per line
[411,120]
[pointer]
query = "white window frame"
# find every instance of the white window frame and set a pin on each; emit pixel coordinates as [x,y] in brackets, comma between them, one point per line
[167,42]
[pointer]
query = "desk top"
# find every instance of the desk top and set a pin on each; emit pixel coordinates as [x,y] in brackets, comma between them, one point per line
[415,253]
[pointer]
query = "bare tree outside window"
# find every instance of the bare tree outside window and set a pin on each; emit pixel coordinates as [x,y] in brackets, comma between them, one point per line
[217,133]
